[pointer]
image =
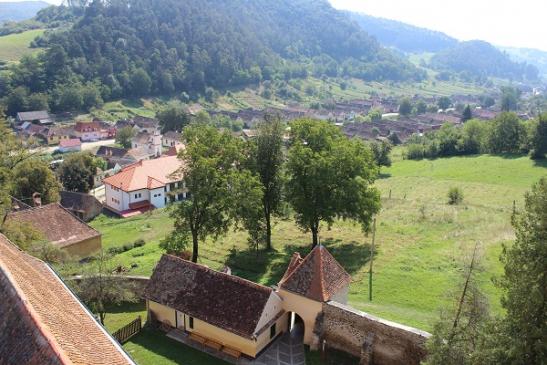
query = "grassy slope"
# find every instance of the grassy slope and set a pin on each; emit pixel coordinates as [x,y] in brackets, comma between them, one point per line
[421,241]
[14,46]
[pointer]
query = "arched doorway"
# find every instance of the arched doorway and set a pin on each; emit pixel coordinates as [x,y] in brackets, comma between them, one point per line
[296,326]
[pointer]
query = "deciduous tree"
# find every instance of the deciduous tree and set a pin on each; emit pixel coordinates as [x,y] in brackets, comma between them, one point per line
[34,176]
[329,177]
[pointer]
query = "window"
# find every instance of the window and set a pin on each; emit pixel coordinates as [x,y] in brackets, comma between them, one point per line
[138,195]
[191,322]
[272,331]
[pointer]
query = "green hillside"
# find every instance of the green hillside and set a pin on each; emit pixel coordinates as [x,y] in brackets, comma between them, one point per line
[14,46]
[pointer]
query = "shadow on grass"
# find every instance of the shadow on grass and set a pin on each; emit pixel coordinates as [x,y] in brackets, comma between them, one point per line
[254,265]
[126,307]
[540,162]
[384,175]
[151,342]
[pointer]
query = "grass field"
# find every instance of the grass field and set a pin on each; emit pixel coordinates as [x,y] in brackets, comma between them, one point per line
[421,241]
[15,46]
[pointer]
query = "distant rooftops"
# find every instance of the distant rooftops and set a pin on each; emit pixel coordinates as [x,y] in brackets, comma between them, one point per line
[41,116]
[42,322]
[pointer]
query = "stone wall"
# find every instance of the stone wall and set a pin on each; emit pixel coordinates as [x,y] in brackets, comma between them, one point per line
[373,340]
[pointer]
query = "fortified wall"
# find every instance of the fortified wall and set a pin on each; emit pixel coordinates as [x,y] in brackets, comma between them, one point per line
[373,340]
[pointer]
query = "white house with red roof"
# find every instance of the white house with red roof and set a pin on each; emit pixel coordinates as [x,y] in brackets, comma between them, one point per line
[144,185]
[70,145]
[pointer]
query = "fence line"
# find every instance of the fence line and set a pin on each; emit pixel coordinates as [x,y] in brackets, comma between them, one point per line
[128,331]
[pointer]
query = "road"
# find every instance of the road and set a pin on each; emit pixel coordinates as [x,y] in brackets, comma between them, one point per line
[86,146]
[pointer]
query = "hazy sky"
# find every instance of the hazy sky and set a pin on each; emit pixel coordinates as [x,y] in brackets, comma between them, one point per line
[519,23]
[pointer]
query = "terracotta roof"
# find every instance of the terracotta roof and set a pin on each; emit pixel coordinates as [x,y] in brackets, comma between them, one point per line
[42,322]
[318,276]
[70,142]
[174,150]
[87,126]
[226,301]
[138,175]
[58,225]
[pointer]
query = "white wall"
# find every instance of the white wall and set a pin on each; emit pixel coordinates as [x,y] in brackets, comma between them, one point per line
[159,200]
[138,196]
[116,198]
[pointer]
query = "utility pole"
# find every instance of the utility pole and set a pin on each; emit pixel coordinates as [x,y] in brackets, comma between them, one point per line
[371,260]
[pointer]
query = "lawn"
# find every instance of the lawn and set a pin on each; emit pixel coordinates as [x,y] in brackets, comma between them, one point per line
[422,242]
[15,46]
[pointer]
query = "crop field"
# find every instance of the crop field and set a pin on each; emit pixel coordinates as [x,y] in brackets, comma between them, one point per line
[15,46]
[422,243]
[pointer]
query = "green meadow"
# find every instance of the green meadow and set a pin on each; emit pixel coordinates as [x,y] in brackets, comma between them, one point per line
[15,46]
[422,243]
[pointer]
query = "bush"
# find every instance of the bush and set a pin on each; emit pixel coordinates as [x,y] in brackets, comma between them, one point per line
[139,243]
[115,250]
[455,196]
[127,247]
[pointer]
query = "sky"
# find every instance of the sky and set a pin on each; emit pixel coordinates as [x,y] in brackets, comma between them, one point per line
[514,23]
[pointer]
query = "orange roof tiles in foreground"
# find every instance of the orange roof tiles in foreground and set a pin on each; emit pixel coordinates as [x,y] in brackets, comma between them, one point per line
[146,174]
[42,321]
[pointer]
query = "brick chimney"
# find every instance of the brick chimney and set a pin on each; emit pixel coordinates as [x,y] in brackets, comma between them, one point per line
[37,199]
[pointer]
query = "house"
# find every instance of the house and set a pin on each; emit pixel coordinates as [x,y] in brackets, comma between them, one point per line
[70,145]
[144,185]
[238,316]
[115,156]
[43,322]
[60,228]
[40,117]
[171,139]
[88,131]
[84,206]
[149,143]
[144,124]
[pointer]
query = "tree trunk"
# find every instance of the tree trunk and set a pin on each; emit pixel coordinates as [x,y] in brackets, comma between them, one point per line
[102,315]
[315,236]
[195,247]
[268,232]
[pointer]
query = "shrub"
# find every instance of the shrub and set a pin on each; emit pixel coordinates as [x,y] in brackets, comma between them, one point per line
[115,250]
[139,243]
[127,247]
[455,196]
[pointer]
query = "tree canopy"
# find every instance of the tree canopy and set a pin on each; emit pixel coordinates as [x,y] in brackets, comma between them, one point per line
[329,177]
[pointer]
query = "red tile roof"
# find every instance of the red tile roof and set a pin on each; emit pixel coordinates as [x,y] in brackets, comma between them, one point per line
[74,142]
[42,322]
[318,276]
[58,225]
[87,126]
[147,174]
[226,301]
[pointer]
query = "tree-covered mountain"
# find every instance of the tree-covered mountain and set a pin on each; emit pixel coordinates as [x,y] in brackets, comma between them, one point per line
[533,56]
[162,47]
[20,10]
[405,37]
[479,58]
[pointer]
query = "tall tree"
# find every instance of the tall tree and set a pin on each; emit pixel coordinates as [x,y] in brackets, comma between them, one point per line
[329,177]
[467,114]
[35,176]
[173,117]
[124,136]
[211,168]
[444,102]
[100,286]
[539,138]
[456,336]
[267,162]
[77,172]
[405,108]
[506,133]
[509,99]
[525,282]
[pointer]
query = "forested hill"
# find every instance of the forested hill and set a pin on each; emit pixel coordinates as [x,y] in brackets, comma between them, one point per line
[162,47]
[20,10]
[405,37]
[480,58]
